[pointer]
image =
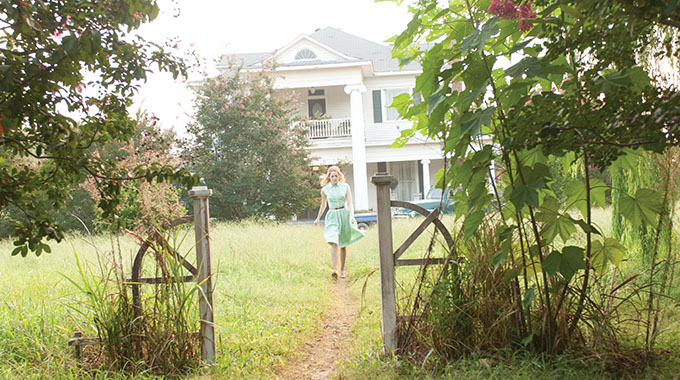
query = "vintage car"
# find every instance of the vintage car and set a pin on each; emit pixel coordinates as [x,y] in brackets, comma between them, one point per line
[365,219]
[432,200]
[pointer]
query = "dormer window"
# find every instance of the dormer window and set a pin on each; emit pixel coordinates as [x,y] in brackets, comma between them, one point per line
[304,54]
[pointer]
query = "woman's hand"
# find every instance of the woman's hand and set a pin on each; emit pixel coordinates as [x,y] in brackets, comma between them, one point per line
[316,222]
[352,220]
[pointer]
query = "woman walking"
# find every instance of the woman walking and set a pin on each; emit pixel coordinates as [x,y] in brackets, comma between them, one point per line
[340,226]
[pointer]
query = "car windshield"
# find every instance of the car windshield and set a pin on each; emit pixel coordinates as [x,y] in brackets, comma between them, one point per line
[434,193]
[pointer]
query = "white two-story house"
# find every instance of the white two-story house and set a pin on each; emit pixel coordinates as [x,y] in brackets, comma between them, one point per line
[345,85]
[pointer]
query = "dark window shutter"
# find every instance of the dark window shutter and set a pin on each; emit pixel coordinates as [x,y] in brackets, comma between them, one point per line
[377,107]
[382,167]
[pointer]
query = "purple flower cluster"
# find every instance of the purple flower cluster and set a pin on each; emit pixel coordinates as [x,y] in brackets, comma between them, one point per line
[510,10]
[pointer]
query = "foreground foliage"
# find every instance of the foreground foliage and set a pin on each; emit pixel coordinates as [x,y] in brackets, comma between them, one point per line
[69,71]
[538,272]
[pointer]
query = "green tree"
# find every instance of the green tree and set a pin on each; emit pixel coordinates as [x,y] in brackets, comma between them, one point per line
[575,93]
[249,149]
[50,117]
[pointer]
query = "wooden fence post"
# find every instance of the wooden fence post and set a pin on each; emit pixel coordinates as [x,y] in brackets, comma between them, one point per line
[200,195]
[382,182]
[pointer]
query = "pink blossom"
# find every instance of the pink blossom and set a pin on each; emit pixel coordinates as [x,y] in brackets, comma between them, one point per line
[80,87]
[526,11]
[503,8]
[508,9]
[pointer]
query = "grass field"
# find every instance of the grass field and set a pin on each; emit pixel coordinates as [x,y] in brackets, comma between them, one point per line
[271,286]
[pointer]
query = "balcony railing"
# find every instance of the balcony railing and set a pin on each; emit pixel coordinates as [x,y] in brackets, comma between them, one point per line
[321,129]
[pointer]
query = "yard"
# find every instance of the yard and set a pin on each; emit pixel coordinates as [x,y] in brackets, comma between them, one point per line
[271,295]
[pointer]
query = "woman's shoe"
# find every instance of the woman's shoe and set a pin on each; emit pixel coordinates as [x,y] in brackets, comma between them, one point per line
[334,275]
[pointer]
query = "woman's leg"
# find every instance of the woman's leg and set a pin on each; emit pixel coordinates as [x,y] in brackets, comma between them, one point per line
[334,258]
[343,256]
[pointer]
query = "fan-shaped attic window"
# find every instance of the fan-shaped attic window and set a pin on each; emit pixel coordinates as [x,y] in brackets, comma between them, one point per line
[304,54]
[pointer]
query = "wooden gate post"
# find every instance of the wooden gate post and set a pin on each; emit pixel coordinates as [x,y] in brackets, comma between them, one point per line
[200,195]
[382,183]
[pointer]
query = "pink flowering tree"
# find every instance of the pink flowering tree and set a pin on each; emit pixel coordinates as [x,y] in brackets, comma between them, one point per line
[535,87]
[246,145]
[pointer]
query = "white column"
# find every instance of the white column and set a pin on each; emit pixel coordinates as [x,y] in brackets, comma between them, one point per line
[358,146]
[426,176]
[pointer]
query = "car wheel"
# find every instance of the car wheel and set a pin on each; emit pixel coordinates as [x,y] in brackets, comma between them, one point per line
[362,226]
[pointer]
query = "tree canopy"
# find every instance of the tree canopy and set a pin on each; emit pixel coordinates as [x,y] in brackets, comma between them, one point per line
[248,148]
[52,114]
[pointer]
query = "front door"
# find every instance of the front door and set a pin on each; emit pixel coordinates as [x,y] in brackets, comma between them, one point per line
[405,173]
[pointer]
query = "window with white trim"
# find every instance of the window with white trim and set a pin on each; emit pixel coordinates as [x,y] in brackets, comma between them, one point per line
[391,113]
[304,53]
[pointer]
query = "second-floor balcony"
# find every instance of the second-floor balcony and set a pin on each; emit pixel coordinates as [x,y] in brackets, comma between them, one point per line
[328,128]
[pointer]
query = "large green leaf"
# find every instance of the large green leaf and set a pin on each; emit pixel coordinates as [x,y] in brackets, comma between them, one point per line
[571,261]
[551,264]
[472,222]
[477,39]
[522,195]
[645,207]
[553,222]
[567,262]
[434,100]
[472,123]
[628,160]
[537,176]
[576,194]
[528,67]
[631,78]
[602,254]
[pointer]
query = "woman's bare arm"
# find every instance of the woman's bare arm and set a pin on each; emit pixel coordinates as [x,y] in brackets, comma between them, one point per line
[322,207]
[348,203]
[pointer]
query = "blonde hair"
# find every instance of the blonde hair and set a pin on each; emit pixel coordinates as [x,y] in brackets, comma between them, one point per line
[326,179]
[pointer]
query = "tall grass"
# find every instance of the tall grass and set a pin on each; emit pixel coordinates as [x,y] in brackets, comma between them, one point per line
[271,287]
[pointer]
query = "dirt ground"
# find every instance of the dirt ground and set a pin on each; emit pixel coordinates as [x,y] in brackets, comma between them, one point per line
[329,347]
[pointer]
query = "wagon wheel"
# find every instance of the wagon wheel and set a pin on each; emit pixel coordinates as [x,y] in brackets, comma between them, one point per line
[137,280]
[437,223]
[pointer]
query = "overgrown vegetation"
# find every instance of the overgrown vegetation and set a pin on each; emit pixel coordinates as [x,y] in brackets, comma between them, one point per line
[158,335]
[269,296]
[537,273]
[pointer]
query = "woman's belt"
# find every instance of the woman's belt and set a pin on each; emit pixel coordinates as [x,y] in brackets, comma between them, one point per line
[338,208]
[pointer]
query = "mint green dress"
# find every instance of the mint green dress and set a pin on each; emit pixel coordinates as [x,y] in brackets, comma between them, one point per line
[338,228]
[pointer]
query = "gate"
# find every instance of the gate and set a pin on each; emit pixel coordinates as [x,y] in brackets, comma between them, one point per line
[202,273]
[389,259]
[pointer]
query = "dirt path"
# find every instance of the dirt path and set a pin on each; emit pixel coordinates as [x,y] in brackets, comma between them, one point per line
[323,352]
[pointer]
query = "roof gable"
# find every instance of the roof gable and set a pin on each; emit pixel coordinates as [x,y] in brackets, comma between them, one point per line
[323,53]
[330,46]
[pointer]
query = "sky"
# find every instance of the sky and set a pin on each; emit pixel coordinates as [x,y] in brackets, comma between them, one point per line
[216,27]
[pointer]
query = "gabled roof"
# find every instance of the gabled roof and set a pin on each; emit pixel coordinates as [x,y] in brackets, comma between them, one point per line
[349,48]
